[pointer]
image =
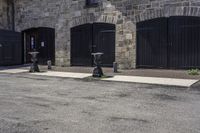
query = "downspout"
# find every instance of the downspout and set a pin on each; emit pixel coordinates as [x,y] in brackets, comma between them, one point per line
[13,14]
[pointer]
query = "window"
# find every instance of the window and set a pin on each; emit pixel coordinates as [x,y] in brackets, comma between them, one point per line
[92,2]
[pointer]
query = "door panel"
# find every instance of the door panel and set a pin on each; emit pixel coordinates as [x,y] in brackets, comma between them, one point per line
[10,48]
[8,51]
[104,41]
[90,38]
[172,42]
[1,53]
[81,45]
[184,37]
[46,46]
[42,40]
[152,43]
[31,41]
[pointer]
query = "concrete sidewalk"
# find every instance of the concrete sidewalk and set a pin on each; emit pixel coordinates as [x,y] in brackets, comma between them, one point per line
[63,74]
[119,78]
[131,79]
[14,70]
[161,73]
[154,80]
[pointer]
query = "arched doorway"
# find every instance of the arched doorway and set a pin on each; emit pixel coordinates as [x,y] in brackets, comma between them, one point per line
[90,38]
[41,39]
[172,42]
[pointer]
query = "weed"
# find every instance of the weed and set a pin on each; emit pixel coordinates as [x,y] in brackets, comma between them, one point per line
[193,72]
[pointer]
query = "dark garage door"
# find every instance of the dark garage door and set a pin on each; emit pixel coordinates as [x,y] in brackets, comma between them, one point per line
[172,42]
[41,39]
[152,43]
[81,45]
[10,48]
[89,38]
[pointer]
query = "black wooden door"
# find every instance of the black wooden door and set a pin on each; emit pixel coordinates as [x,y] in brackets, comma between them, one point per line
[172,42]
[81,45]
[41,40]
[152,43]
[104,41]
[90,38]
[10,48]
[184,42]
[30,41]
[46,45]
[1,53]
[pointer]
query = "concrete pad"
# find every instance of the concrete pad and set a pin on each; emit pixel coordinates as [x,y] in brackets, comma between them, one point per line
[64,74]
[13,71]
[154,80]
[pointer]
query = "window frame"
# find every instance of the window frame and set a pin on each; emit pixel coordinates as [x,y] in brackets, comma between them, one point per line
[91,3]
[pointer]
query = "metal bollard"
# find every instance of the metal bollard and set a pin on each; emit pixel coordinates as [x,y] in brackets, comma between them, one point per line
[97,72]
[49,64]
[115,67]
[34,65]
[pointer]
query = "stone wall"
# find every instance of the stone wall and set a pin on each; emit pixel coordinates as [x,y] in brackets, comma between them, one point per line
[139,10]
[65,14]
[5,15]
[46,13]
[107,13]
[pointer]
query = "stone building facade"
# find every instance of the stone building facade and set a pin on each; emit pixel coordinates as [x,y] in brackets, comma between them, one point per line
[6,14]
[62,15]
[140,10]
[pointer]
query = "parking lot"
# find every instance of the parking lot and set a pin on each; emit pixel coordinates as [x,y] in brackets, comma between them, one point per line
[39,104]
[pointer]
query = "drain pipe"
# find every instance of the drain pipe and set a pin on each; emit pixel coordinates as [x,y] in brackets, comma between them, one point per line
[13,14]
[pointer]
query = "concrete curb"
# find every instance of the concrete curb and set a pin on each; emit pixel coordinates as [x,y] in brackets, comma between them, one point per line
[153,80]
[190,83]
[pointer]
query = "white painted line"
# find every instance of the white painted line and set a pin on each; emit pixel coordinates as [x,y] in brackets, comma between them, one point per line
[64,74]
[154,80]
[13,71]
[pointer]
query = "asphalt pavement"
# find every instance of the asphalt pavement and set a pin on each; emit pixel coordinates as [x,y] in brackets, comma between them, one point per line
[41,104]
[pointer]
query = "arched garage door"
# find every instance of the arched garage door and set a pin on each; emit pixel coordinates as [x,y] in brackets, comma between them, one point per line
[41,39]
[90,38]
[172,42]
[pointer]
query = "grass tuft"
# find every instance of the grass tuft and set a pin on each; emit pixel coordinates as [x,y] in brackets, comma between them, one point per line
[193,72]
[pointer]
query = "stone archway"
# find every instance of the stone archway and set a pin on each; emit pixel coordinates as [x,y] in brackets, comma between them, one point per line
[92,38]
[164,12]
[41,39]
[167,12]
[172,15]
[125,45]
